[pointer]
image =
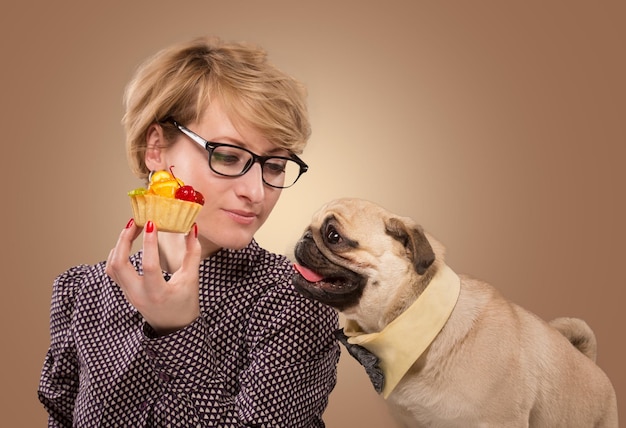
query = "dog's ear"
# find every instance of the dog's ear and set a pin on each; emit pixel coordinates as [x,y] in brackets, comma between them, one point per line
[415,242]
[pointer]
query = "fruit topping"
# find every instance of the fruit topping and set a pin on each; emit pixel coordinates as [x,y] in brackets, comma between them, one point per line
[188,193]
[199,198]
[138,192]
[164,183]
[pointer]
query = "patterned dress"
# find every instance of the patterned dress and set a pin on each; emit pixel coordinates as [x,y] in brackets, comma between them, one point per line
[259,356]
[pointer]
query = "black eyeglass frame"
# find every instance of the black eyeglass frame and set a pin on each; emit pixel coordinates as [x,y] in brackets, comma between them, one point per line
[209,146]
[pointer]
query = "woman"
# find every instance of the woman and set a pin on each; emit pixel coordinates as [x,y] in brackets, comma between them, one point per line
[202,329]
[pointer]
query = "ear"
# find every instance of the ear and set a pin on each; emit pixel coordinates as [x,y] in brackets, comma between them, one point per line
[417,247]
[155,142]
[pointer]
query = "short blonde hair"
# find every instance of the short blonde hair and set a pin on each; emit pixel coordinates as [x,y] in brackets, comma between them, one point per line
[180,81]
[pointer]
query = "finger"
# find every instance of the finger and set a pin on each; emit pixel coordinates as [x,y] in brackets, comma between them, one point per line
[193,251]
[117,261]
[151,262]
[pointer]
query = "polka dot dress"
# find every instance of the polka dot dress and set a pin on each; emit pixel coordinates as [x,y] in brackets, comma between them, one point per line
[260,355]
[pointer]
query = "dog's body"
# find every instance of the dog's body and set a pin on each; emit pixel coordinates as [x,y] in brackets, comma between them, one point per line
[493,364]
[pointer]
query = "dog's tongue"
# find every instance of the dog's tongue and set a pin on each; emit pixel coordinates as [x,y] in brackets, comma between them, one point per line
[307,273]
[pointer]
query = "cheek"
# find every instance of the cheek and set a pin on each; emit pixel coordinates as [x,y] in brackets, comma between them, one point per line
[198,175]
[188,163]
[271,197]
[213,190]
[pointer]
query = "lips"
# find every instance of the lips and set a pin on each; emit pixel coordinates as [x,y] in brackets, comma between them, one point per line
[242,217]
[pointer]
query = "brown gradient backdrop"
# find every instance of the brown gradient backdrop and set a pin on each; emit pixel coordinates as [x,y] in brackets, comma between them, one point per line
[499,126]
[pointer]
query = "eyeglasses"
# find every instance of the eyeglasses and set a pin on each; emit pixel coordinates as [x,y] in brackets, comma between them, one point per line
[234,161]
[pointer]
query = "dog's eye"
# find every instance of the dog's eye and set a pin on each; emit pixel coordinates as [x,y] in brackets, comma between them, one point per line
[332,236]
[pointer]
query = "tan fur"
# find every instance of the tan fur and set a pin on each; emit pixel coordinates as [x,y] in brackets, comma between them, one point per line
[494,364]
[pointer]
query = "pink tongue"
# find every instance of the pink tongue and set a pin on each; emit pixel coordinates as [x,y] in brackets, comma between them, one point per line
[308,274]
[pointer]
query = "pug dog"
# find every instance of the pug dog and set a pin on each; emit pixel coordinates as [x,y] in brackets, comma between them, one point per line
[453,351]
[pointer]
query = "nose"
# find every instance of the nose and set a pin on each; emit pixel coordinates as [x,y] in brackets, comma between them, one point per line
[250,185]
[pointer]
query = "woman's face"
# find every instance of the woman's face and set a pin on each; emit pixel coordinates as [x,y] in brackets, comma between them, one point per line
[235,207]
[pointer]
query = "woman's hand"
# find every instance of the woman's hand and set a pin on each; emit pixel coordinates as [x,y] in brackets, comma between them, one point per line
[166,306]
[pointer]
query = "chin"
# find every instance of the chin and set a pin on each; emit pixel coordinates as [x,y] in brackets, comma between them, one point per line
[235,241]
[227,235]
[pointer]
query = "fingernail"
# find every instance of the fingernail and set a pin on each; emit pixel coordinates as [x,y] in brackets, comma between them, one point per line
[195,229]
[130,223]
[149,226]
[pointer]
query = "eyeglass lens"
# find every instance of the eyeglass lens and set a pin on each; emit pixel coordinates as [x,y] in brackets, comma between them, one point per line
[233,161]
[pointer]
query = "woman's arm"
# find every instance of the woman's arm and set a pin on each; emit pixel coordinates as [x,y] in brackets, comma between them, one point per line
[58,385]
[292,356]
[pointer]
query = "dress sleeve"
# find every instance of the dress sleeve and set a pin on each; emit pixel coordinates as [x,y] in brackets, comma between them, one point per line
[294,355]
[58,385]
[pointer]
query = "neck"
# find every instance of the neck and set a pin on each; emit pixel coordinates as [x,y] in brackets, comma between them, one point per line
[375,317]
[172,248]
[171,251]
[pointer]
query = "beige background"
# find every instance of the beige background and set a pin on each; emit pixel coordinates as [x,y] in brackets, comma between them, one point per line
[500,126]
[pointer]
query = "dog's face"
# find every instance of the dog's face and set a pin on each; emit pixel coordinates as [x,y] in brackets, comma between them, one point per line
[356,254]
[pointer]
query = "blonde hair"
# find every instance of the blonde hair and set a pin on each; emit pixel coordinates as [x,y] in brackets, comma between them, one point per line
[180,81]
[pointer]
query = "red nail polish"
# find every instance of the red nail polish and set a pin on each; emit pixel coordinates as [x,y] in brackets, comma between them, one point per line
[149,227]
[195,229]
[130,223]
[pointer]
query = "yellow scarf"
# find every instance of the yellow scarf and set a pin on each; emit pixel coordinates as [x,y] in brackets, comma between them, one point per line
[404,340]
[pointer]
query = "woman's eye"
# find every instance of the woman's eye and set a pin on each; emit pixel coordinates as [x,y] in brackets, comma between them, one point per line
[274,167]
[332,236]
[226,158]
